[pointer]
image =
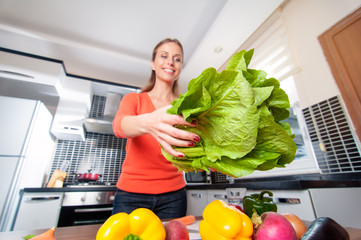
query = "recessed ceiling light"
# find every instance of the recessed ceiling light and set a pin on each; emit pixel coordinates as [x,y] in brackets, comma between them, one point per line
[218,49]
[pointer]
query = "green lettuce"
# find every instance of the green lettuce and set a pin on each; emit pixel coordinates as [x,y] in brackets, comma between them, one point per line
[239,113]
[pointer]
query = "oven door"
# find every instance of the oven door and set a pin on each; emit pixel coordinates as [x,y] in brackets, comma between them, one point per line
[84,215]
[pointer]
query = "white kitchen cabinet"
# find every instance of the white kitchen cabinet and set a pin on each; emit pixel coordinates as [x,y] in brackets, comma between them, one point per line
[38,211]
[199,199]
[216,194]
[196,202]
[235,195]
[340,204]
[297,202]
[23,68]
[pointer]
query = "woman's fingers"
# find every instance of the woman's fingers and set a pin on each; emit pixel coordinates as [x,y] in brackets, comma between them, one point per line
[162,128]
[164,123]
[176,119]
[179,137]
[168,148]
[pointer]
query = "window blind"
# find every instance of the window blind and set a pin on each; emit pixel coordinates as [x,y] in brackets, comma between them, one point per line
[272,54]
[272,50]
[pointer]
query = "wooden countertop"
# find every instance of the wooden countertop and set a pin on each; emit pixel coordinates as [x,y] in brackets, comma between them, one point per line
[86,232]
[89,232]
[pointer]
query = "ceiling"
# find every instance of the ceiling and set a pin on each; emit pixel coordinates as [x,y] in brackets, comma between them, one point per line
[112,40]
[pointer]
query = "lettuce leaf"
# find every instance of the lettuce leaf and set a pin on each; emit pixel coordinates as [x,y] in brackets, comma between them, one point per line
[239,112]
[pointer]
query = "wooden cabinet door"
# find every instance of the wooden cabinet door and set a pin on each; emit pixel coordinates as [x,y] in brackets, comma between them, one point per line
[342,47]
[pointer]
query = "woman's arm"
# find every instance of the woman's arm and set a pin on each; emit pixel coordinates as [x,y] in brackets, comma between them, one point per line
[159,124]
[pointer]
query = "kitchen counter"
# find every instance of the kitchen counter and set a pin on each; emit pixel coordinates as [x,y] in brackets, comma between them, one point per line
[249,184]
[296,182]
[73,189]
[89,232]
[279,185]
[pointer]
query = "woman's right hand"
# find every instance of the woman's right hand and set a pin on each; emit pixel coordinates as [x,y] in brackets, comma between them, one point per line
[160,125]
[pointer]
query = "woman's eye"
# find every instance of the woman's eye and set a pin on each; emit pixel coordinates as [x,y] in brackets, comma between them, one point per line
[178,59]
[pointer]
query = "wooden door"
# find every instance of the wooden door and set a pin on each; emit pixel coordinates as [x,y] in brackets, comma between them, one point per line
[342,47]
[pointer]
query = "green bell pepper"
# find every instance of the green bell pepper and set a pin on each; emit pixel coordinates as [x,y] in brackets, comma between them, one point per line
[259,203]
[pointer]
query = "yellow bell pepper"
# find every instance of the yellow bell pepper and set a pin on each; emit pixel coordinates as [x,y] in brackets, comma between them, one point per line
[224,222]
[141,224]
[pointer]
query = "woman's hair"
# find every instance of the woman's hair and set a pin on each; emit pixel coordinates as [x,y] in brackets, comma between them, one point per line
[151,82]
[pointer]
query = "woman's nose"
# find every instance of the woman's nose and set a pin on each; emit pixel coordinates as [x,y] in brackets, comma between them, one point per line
[170,61]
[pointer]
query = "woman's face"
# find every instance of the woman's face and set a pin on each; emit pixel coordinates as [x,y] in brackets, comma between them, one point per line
[168,62]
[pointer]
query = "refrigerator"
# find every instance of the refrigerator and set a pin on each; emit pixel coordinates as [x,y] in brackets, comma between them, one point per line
[26,150]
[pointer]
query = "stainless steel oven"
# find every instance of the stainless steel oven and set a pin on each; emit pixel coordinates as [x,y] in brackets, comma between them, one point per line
[84,208]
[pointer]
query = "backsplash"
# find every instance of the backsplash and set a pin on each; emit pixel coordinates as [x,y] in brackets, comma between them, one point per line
[333,141]
[103,154]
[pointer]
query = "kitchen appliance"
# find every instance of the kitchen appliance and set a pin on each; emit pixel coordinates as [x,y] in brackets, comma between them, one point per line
[103,124]
[37,210]
[26,148]
[89,207]
[200,177]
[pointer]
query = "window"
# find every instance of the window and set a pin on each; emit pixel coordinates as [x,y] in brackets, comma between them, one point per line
[273,55]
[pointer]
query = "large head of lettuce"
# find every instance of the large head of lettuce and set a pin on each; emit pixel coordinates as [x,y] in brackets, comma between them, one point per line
[239,113]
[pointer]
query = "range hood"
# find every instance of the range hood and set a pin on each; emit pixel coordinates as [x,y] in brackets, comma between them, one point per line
[103,124]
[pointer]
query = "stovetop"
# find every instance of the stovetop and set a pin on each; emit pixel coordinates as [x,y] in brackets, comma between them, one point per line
[90,184]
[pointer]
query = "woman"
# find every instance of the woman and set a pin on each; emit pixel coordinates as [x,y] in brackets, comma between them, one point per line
[148,180]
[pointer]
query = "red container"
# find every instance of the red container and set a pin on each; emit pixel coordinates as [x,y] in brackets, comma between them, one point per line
[85,177]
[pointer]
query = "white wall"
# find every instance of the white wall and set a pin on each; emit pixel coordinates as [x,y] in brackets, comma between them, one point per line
[306,20]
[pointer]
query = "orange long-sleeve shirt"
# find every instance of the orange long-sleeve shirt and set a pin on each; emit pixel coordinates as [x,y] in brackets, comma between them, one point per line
[144,170]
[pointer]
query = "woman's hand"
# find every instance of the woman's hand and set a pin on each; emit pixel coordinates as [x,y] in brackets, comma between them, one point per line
[160,125]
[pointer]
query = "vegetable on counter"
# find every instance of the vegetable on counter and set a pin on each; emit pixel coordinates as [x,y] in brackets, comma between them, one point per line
[29,236]
[272,226]
[187,220]
[297,224]
[221,221]
[48,235]
[240,117]
[176,230]
[259,203]
[325,228]
[141,224]
[237,206]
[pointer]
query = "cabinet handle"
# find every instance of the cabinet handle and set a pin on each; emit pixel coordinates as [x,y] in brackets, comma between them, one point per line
[197,195]
[42,198]
[85,210]
[289,200]
[16,74]
[220,196]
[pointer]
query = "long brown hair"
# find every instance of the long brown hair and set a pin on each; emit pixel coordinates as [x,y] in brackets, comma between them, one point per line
[151,82]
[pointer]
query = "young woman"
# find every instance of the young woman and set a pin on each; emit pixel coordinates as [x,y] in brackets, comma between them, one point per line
[147,179]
